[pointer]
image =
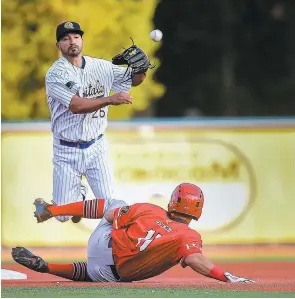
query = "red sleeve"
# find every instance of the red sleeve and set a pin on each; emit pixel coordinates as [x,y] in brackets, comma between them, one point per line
[190,243]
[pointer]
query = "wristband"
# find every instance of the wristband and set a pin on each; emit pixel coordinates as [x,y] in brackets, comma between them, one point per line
[217,273]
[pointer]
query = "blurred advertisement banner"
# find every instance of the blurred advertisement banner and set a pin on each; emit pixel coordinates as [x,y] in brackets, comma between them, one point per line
[247,175]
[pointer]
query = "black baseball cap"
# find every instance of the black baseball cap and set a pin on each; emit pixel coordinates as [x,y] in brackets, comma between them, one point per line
[67,27]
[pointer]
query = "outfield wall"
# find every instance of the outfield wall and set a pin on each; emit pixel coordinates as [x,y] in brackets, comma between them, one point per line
[246,169]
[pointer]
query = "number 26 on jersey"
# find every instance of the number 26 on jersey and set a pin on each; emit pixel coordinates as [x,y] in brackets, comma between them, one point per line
[99,113]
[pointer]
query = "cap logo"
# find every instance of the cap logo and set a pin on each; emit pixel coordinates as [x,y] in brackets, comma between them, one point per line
[69,25]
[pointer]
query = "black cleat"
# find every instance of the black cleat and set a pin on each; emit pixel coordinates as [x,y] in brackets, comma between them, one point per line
[26,258]
[76,219]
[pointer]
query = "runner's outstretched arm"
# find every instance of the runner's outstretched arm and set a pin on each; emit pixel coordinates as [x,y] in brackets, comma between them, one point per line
[199,263]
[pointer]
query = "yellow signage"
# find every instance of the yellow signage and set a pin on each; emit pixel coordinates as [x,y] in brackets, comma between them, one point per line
[247,177]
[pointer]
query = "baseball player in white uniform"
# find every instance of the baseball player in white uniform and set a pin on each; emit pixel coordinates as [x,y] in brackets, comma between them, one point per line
[77,89]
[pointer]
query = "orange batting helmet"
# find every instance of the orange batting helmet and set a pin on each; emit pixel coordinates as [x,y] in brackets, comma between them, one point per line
[187,199]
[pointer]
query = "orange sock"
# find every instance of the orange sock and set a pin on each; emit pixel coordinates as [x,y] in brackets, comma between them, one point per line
[86,209]
[75,271]
[61,270]
[72,209]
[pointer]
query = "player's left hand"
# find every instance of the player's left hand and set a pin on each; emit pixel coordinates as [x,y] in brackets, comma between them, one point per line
[135,58]
[233,278]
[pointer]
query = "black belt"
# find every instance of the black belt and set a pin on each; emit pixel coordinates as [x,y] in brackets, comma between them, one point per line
[115,273]
[113,268]
[79,144]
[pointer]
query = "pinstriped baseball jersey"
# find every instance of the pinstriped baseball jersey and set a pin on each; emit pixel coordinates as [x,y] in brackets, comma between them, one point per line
[95,80]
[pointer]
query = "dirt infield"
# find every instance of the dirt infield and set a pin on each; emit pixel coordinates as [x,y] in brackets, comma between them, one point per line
[220,252]
[270,276]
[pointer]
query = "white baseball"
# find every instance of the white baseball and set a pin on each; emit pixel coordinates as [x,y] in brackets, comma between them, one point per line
[156,35]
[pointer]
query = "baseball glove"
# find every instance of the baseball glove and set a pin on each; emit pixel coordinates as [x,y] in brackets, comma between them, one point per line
[135,58]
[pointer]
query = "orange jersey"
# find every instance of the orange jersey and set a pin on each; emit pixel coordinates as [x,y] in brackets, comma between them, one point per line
[147,243]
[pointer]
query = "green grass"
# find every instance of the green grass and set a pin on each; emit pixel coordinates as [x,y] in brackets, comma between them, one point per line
[124,292]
